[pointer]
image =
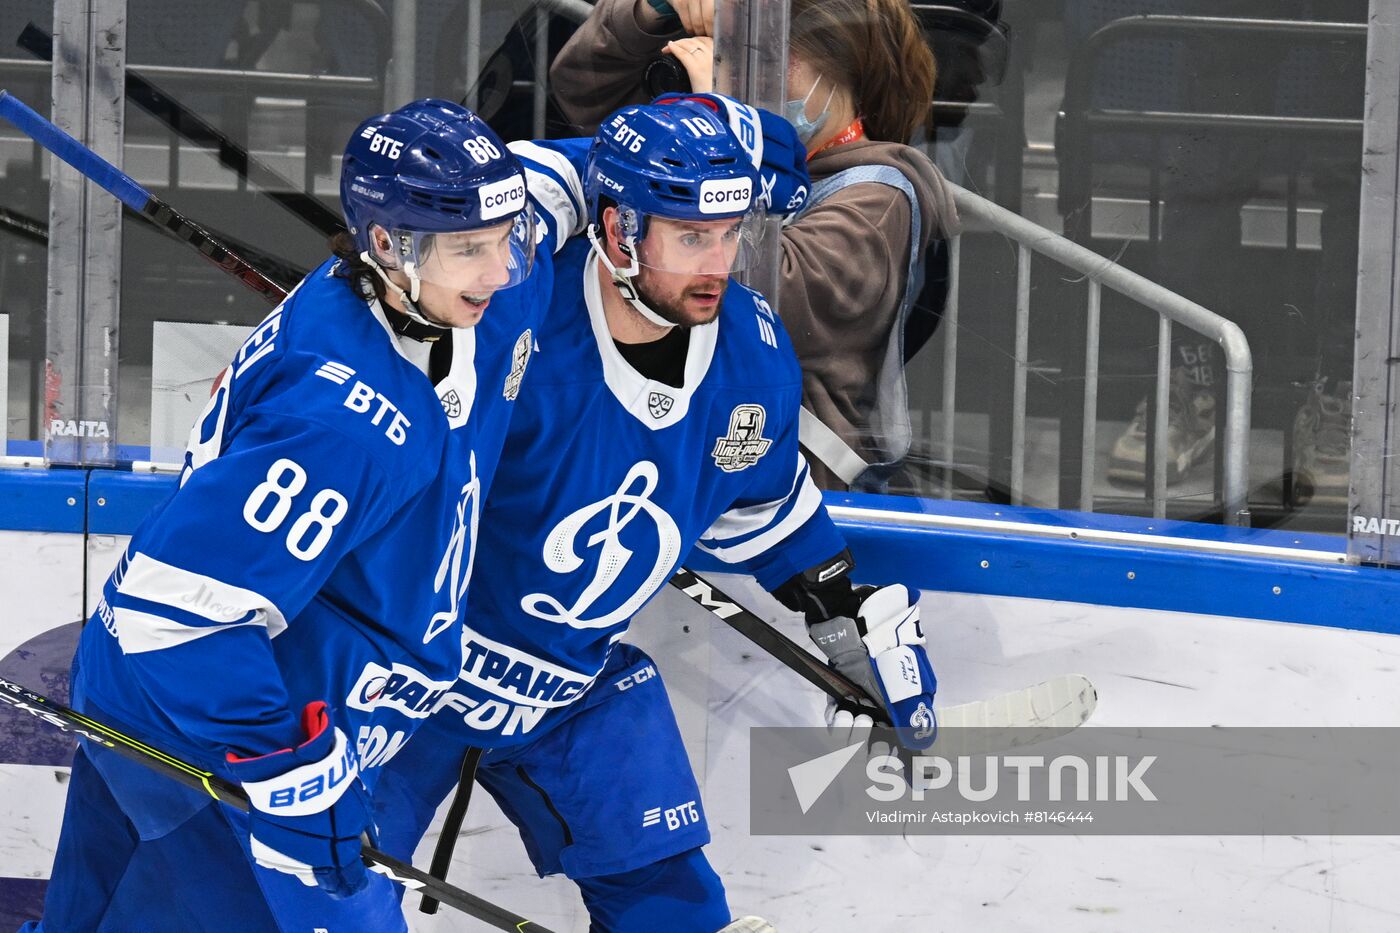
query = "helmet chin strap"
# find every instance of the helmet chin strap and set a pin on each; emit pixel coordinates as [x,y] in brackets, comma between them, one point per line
[408,298]
[622,278]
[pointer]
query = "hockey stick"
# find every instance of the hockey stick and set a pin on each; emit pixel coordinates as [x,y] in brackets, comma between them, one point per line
[191,126]
[68,720]
[452,825]
[125,189]
[825,678]
[24,226]
[1035,713]
[35,231]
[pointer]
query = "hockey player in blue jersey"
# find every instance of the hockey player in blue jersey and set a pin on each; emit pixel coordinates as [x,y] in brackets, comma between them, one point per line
[661,410]
[292,613]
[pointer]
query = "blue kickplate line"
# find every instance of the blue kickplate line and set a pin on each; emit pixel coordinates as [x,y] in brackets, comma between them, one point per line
[119,501]
[42,500]
[1129,574]
[1132,575]
[1090,521]
[1273,589]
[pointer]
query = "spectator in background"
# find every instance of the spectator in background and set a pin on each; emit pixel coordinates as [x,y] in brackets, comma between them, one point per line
[860,79]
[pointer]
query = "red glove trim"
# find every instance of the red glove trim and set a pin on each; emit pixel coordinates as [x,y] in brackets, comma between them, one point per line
[314,720]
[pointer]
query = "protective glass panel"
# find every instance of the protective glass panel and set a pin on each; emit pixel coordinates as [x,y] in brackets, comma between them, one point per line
[24,227]
[1217,159]
[1213,163]
[1221,160]
[236,114]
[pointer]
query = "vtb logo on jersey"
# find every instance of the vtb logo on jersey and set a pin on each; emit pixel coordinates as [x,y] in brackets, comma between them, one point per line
[519,359]
[659,404]
[745,443]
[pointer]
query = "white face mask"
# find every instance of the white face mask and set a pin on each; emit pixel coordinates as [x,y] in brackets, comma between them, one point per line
[796,113]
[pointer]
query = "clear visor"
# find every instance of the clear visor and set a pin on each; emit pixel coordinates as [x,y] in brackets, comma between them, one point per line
[476,262]
[701,247]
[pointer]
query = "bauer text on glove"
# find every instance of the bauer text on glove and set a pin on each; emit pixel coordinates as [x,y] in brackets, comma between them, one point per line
[308,807]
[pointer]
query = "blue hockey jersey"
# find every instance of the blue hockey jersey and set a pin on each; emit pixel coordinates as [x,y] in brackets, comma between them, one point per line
[606,482]
[321,541]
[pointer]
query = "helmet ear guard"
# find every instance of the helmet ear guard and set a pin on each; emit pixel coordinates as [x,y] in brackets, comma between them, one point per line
[382,249]
[622,278]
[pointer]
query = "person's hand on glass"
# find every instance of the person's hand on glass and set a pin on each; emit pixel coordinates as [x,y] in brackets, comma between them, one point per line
[697,56]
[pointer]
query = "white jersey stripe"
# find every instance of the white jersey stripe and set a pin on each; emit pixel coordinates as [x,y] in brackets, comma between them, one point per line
[158,582]
[138,632]
[809,500]
[751,519]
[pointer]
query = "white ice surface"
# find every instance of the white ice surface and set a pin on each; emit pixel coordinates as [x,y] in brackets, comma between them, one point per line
[1151,669]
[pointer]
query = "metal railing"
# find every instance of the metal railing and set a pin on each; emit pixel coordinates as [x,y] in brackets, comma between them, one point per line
[1101,272]
[1331,124]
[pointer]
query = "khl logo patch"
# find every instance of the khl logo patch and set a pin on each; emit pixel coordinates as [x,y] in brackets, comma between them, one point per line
[745,443]
[451,404]
[659,404]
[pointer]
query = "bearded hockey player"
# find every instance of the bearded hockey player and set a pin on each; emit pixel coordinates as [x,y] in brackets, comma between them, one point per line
[661,409]
[292,612]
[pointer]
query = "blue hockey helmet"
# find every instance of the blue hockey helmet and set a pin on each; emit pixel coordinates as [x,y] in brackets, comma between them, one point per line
[773,147]
[676,161]
[431,168]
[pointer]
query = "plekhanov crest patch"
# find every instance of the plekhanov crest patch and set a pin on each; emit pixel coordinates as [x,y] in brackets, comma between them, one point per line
[519,359]
[745,443]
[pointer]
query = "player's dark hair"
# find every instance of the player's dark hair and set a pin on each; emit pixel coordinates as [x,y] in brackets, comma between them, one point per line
[876,50]
[355,270]
[604,202]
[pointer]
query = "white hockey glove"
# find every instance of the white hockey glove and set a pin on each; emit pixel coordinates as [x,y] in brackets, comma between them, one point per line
[309,807]
[871,635]
[749,925]
[882,651]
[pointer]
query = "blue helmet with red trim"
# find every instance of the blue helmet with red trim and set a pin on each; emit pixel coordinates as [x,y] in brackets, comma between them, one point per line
[432,167]
[677,160]
[772,144]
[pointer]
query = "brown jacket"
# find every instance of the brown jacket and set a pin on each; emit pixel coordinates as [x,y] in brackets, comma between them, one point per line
[844,262]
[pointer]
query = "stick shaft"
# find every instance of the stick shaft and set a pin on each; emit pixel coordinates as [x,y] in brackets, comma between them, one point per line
[69,720]
[125,189]
[792,655]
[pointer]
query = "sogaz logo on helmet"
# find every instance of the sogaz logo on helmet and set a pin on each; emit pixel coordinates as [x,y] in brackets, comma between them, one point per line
[728,196]
[502,198]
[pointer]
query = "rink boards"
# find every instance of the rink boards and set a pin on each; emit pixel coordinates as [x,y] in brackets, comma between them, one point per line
[1174,630]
